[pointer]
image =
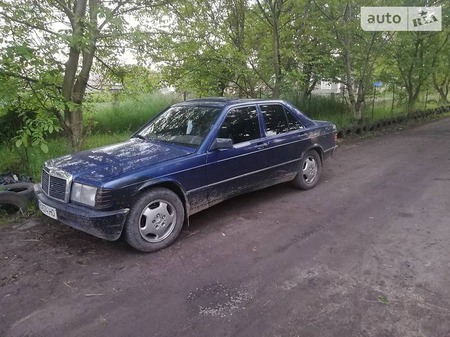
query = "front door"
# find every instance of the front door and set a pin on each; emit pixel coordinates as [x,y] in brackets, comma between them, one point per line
[242,168]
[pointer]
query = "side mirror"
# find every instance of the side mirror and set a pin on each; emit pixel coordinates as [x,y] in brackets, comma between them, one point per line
[222,143]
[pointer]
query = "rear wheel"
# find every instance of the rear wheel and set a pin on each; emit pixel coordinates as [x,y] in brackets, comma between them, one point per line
[310,170]
[155,220]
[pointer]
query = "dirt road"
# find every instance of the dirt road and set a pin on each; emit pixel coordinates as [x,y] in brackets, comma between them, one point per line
[366,253]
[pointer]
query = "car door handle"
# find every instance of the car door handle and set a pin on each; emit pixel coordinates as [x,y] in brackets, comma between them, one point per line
[261,145]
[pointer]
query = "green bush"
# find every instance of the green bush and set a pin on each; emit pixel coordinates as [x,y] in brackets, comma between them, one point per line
[11,122]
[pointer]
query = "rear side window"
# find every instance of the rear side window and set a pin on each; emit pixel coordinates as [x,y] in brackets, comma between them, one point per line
[278,120]
[293,122]
[241,125]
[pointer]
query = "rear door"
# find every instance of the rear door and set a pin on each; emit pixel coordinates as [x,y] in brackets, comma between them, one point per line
[242,168]
[286,139]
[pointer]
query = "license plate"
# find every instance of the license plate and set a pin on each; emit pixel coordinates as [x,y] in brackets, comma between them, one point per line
[48,211]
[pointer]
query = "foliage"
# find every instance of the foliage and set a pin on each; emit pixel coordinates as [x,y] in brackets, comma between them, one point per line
[207,47]
[58,43]
[414,60]
[34,131]
[26,114]
[139,80]
[267,47]
[188,47]
[440,72]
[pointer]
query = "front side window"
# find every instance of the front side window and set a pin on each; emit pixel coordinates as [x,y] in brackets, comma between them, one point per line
[278,120]
[186,125]
[241,125]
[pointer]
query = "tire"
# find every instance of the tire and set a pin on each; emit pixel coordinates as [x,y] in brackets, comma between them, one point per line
[18,195]
[309,172]
[24,189]
[14,199]
[155,220]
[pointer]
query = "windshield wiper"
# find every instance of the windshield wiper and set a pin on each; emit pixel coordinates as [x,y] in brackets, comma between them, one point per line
[140,137]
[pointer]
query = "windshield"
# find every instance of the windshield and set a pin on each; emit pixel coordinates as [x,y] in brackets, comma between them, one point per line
[187,125]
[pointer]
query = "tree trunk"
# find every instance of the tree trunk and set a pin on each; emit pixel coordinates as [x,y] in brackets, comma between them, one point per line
[442,88]
[413,96]
[309,81]
[443,96]
[349,84]
[74,86]
[75,119]
[276,62]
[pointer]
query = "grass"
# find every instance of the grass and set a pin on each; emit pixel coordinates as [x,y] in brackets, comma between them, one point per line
[333,109]
[10,214]
[320,107]
[130,114]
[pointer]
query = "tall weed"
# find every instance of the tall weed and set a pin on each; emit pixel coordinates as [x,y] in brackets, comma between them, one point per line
[128,115]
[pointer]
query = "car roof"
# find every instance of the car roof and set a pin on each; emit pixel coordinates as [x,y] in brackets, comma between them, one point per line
[222,101]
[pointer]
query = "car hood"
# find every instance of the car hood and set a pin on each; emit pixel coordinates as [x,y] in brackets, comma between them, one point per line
[105,163]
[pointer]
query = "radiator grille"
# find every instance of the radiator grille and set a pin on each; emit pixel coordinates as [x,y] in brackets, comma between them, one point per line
[56,184]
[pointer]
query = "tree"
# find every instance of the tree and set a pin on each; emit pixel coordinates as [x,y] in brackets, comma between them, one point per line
[441,76]
[414,62]
[419,54]
[273,14]
[441,66]
[356,50]
[137,80]
[312,57]
[191,55]
[60,42]
[207,46]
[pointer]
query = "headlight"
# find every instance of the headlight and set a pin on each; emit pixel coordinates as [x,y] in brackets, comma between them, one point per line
[83,194]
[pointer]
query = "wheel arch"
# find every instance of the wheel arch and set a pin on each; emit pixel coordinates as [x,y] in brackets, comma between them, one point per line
[172,186]
[316,148]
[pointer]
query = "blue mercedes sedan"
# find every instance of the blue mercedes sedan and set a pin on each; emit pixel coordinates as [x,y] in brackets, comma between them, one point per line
[189,157]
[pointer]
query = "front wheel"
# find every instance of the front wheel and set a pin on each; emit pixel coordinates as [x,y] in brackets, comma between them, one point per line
[155,220]
[310,170]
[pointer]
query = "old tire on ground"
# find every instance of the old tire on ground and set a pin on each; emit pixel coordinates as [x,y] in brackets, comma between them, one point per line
[310,170]
[24,189]
[14,199]
[155,220]
[18,195]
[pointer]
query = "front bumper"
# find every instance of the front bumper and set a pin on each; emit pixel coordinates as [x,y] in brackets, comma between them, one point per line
[106,225]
